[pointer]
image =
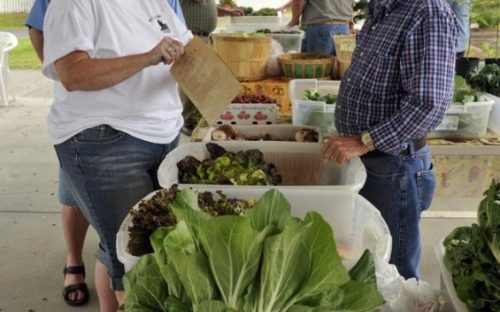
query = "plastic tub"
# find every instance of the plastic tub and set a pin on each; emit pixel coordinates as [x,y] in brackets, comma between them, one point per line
[464,121]
[356,223]
[458,305]
[313,113]
[301,165]
[494,120]
[252,27]
[277,132]
[256,19]
[289,42]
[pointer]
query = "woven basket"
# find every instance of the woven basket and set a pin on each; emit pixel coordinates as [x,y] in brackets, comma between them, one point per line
[305,65]
[246,57]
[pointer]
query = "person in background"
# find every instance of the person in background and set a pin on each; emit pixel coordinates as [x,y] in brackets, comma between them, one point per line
[201,19]
[322,20]
[74,223]
[396,90]
[461,9]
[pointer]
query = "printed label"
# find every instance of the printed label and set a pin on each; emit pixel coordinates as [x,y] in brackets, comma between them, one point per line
[448,123]
[347,44]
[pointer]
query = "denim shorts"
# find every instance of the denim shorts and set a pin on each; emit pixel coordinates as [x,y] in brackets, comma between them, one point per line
[109,171]
[401,187]
[319,38]
[64,192]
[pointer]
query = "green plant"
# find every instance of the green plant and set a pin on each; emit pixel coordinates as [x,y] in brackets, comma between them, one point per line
[470,256]
[487,79]
[263,261]
[486,13]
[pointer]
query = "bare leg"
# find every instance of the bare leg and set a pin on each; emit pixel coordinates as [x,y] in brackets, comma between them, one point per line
[107,299]
[75,229]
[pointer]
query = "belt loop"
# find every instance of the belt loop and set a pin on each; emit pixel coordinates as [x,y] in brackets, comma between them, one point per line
[411,149]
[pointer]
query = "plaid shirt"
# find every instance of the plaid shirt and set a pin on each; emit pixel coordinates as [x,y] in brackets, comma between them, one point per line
[400,81]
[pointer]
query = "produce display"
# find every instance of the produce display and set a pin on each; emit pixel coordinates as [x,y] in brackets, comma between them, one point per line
[262,12]
[156,212]
[487,79]
[229,133]
[463,92]
[263,260]
[223,167]
[313,95]
[253,98]
[282,31]
[473,256]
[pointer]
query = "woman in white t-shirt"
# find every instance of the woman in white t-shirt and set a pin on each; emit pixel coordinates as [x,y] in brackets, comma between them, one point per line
[116,110]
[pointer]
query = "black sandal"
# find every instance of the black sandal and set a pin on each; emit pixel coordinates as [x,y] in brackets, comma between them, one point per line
[79,269]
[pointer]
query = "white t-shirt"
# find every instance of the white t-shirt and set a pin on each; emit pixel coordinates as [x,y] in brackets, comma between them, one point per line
[146,105]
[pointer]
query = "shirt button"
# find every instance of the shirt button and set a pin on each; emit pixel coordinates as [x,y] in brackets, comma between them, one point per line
[374,27]
[386,14]
[349,79]
[362,53]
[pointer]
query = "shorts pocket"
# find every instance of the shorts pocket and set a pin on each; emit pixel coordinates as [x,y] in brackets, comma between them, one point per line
[99,135]
[426,182]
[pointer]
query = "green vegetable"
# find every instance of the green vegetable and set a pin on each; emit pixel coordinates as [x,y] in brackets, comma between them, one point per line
[488,217]
[463,93]
[487,79]
[241,168]
[263,261]
[315,96]
[469,257]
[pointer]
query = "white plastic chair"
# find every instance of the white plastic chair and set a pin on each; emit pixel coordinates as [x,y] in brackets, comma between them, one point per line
[7,42]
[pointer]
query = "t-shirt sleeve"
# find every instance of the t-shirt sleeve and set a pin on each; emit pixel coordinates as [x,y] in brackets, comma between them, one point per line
[37,14]
[69,26]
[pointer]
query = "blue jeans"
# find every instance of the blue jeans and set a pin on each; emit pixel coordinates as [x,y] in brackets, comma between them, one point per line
[108,171]
[319,37]
[401,187]
[64,192]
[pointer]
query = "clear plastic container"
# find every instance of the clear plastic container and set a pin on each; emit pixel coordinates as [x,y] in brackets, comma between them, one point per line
[277,132]
[464,121]
[313,113]
[356,223]
[458,305]
[301,165]
[289,42]
[494,120]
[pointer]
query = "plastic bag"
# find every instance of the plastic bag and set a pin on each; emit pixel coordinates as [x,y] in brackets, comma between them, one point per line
[273,69]
[405,295]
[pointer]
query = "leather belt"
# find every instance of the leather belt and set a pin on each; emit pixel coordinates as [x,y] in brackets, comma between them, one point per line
[416,144]
[201,34]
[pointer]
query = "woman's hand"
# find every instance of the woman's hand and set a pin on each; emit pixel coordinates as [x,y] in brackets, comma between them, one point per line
[168,50]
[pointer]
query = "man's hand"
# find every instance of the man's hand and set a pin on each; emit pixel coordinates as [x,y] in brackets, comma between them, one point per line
[342,148]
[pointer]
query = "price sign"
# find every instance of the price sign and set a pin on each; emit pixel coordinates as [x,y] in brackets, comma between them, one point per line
[347,44]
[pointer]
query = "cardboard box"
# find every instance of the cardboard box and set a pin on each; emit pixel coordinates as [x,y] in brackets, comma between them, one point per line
[248,114]
[273,88]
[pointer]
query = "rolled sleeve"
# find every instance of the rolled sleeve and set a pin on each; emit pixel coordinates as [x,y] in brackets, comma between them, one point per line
[68,27]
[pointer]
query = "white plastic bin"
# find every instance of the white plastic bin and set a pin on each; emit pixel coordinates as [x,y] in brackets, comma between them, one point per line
[494,120]
[458,305]
[313,113]
[301,165]
[252,27]
[464,121]
[356,223]
[277,132]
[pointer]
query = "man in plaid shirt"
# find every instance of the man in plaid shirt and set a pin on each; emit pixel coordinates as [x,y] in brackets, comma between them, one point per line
[396,90]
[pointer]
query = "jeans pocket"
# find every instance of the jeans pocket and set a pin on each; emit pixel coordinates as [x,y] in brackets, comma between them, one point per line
[426,182]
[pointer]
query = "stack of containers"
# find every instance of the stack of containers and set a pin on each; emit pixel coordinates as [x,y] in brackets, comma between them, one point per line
[313,113]
[309,183]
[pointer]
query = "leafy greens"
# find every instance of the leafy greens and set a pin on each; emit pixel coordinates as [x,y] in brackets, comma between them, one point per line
[262,261]
[472,256]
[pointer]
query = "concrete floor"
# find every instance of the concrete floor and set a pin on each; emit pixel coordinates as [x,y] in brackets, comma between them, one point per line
[32,250]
